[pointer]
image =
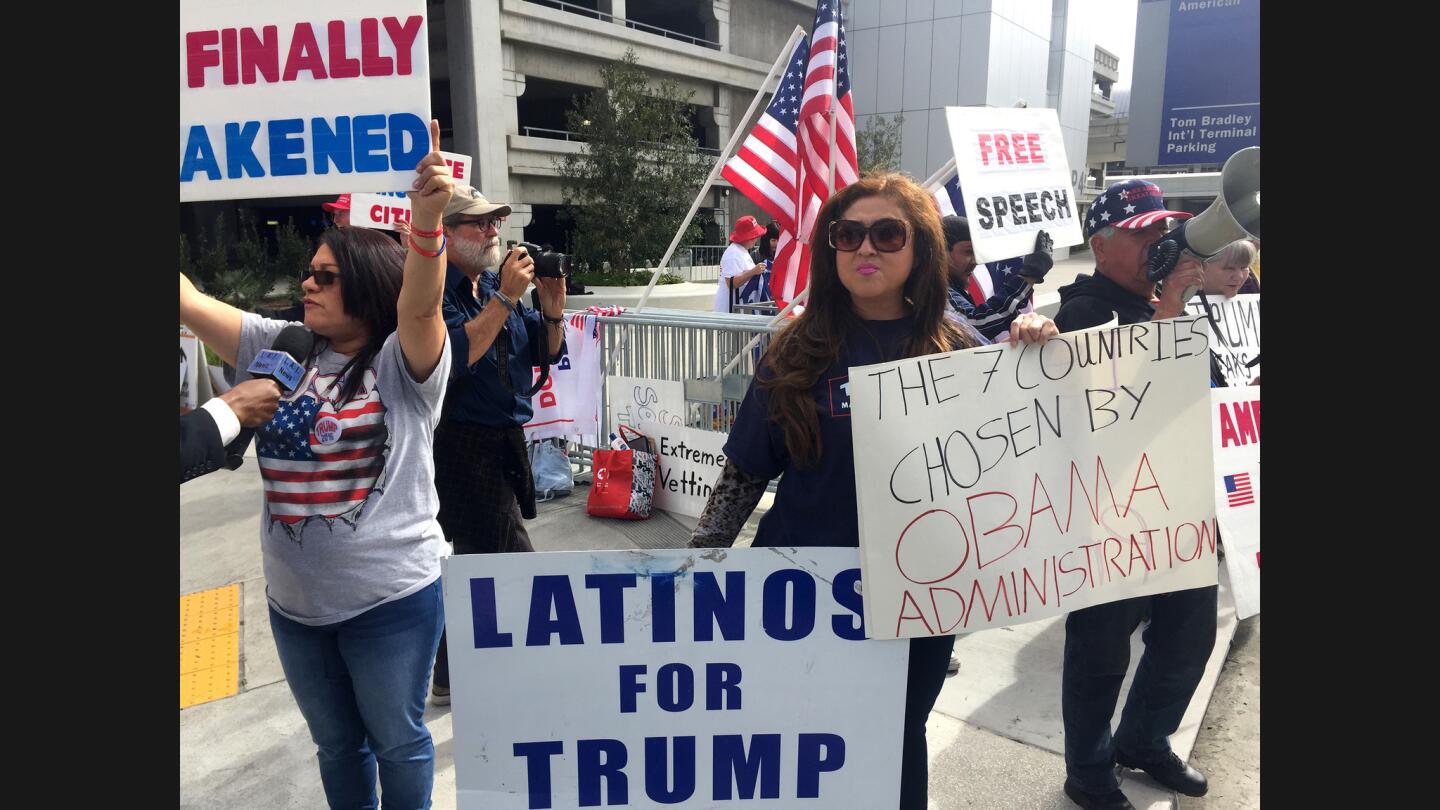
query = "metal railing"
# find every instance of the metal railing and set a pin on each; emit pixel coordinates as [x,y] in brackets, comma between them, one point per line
[577,137]
[701,262]
[686,346]
[639,26]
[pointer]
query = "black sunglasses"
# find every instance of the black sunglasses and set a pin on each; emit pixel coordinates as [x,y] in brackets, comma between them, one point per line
[324,278]
[887,235]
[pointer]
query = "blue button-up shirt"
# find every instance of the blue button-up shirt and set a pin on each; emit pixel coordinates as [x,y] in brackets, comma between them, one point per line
[477,391]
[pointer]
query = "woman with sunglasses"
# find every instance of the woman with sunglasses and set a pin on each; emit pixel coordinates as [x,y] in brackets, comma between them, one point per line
[878,286]
[348,533]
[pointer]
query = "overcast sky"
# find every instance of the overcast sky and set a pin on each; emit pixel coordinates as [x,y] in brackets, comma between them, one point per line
[1115,32]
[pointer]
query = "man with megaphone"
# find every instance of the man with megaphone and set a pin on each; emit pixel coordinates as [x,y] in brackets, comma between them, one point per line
[1123,224]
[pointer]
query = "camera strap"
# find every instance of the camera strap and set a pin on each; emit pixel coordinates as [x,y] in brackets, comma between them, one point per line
[544,346]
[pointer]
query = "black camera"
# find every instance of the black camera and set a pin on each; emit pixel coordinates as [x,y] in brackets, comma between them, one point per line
[548,263]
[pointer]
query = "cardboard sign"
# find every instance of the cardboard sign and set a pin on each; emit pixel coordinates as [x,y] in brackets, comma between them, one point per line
[1235,417]
[633,400]
[688,678]
[690,462]
[569,402]
[1001,485]
[382,210]
[281,99]
[1235,334]
[1014,178]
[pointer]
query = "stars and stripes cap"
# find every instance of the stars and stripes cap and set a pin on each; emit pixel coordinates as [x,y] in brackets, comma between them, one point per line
[1130,204]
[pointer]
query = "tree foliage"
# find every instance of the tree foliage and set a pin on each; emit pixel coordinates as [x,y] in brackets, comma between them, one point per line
[877,144]
[637,174]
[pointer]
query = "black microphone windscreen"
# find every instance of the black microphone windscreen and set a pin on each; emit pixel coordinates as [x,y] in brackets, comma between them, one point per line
[296,341]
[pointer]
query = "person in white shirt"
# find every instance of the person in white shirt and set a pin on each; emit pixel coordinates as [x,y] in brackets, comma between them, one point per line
[736,266]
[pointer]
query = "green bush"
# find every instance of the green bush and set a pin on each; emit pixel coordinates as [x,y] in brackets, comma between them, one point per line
[637,278]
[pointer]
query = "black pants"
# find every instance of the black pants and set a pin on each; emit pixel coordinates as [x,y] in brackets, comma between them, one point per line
[1178,643]
[928,659]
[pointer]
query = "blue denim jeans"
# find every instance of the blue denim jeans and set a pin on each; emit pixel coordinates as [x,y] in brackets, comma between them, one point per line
[1178,643]
[361,686]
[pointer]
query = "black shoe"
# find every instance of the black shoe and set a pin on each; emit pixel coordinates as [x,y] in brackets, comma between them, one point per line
[1114,800]
[1170,771]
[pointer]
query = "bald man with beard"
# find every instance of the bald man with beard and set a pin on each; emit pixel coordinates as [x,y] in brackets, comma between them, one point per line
[482,472]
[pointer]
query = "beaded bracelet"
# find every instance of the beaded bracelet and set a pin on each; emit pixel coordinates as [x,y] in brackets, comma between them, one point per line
[435,234]
[424,252]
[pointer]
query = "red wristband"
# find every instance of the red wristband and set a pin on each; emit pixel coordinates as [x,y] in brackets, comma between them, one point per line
[435,234]
[424,252]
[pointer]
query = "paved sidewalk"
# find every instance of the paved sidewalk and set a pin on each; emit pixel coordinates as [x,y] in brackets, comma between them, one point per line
[995,734]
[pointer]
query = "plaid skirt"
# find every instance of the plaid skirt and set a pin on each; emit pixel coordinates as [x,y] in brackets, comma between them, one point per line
[486,489]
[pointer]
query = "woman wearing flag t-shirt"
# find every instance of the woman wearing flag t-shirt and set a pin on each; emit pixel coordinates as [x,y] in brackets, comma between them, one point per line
[348,533]
[877,293]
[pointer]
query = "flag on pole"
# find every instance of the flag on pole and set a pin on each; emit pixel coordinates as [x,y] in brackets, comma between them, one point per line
[766,167]
[827,85]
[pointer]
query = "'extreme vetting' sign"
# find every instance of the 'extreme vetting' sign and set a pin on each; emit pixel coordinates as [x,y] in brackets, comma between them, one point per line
[1000,485]
[1236,430]
[296,97]
[689,677]
[690,461]
[1014,178]
[1235,334]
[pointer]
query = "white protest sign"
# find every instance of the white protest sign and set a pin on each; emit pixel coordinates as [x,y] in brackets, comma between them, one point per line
[1014,177]
[191,359]
[1235,415]
[1001,485]
[1235,334]
[633,400]
[690,462]
[684,677]
[381,210]
[568,404]
[281,98]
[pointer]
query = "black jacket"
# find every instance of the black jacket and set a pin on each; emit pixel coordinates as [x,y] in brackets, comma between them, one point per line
[200,449]
[1091,300]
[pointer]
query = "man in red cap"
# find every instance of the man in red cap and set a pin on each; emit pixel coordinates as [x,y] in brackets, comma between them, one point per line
[339,210]
[736,266]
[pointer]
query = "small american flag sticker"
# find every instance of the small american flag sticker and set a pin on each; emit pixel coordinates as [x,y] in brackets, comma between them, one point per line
[1238,488]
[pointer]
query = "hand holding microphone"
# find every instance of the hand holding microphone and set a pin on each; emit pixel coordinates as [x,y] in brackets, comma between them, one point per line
[282,366]
[253,401]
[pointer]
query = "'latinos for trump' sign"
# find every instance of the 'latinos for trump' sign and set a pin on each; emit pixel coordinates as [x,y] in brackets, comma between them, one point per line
[1001,485]
[1014,177]
[691,678]
[284,98]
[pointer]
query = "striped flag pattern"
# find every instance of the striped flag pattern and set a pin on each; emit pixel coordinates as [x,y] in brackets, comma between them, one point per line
[1237,488]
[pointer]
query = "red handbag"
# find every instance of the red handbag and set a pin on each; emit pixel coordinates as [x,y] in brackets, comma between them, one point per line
[624,482]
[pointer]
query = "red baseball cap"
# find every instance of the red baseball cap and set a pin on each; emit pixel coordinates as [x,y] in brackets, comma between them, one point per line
[342,203]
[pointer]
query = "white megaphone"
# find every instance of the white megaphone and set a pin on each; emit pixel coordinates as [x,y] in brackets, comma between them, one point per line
[1234,215]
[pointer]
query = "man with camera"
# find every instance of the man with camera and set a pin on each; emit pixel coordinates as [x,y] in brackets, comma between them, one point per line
[482,470]
[1123,223]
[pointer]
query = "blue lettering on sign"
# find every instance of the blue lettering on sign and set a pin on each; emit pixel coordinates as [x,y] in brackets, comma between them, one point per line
[712,607]
[482,615]
[761,765]
[547,592]
[662,607]
[537,767]
[657,770]
[612,604]
[802,605]
[676,684]
[364,144]
[843,589]
[592,770]
[819,753]
[722,687]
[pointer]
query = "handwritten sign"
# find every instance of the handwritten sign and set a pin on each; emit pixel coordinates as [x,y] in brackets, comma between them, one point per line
[280,99]
[690,461]
[634,400]
[1001,484]
[1235,420]
[1235,334]
[1014,178]
[691,678]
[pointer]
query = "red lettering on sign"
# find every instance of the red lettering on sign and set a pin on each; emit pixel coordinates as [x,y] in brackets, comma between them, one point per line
[985,148]
[1002,148]
[1035,154]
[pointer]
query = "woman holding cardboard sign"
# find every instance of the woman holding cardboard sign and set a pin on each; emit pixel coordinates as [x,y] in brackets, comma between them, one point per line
[351,546]
[878,283]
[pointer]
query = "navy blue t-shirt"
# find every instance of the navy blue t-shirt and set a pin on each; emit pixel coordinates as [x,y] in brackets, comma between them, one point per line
[814,506]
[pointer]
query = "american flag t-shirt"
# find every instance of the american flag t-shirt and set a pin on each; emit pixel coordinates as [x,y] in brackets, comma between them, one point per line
[320,461]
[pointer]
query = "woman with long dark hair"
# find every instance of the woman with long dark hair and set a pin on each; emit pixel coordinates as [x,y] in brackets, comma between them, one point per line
[348,533]
[878,286]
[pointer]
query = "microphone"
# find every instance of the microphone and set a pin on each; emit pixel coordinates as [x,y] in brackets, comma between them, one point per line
[283,362]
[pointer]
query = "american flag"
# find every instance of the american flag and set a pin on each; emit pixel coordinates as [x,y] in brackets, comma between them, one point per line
[827,82]
[767,164]
[1238,487]
[320,462]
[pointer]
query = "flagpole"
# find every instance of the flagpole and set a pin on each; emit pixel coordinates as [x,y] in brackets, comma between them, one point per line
[943,172]
[735,138]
